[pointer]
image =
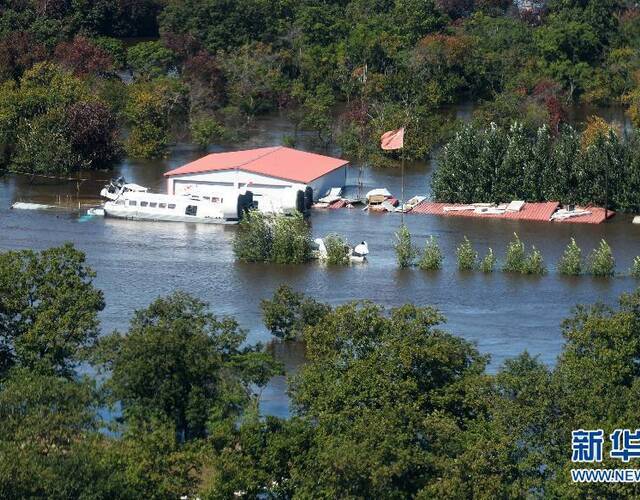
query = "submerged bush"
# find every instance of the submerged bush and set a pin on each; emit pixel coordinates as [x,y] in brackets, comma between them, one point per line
[254,239]
[635,267]
[431,259]
[515,259]
[467,256]
[337,253]
[488,262]
[601,261]
[291,240]
[267,238]
[534,263]
[405,251]
[570,263]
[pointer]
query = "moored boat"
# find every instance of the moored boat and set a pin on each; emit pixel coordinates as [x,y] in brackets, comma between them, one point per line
[131,201]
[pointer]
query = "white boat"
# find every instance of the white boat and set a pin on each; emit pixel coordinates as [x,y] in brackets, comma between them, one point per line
[131,201]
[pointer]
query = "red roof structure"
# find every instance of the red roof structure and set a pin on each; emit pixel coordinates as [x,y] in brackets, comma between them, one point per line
[530,211]
[540,212]
[279,161]
[597,216]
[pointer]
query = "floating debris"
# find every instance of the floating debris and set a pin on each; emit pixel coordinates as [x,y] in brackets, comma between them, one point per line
[30,206]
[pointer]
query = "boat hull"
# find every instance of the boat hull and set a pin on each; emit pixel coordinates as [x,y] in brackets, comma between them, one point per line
[126,214]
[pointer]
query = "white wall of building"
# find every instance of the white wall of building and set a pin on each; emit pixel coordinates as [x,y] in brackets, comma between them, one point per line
[336,178]
[214,182]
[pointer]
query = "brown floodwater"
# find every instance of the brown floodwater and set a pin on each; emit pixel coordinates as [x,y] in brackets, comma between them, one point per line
[139,261]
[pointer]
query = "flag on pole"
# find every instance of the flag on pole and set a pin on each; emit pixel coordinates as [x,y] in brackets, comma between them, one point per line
[394,139]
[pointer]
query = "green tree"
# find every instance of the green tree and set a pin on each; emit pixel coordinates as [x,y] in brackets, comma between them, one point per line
[48,309]
[180,363]
[534,263]
[150,109]
[150,60]
[49,445]
[431,258]
[289,312]
[50,123]
[635,267]
[255,79]
[466,255]
[570,263]
[291,240]
[337,250]
[42,147]
[317,112]
[205,130]
[515,259]
[600,261]
[404,248]
[380,388]
[254,239]
[488,262]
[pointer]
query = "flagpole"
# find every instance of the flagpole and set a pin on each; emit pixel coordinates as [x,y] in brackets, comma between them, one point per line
[402,188]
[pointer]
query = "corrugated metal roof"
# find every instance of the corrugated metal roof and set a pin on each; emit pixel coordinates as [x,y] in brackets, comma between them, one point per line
[530,211]
[278,161]
[338,204]
[540,212]
[596,216]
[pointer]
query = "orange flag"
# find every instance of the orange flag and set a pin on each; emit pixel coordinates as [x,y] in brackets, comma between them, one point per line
[394,139]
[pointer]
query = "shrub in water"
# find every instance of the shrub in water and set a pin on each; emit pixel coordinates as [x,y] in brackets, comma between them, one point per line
[514,261]
[291,240]
[405,251]
[431,259]
[601,262]
[337,253]
[488,262]
[534,263]
[467,256]
[570,263]
[635,267]
[253,240]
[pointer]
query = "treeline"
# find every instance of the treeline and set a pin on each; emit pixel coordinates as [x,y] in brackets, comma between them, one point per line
[387,405]
[211,66]
[498,164]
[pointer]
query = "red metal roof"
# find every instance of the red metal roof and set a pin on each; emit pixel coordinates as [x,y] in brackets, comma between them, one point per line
[530,212]
[278,161]
[596,216]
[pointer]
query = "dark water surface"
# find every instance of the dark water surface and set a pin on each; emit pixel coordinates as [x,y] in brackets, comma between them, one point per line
[138,261]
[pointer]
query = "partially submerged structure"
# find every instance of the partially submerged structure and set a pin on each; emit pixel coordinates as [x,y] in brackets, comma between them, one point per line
[518,210]
[273,174]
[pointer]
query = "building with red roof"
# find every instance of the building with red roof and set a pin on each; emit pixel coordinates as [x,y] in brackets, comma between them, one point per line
[265,171]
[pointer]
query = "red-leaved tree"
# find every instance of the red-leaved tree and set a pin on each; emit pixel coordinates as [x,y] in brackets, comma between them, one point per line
[82,57]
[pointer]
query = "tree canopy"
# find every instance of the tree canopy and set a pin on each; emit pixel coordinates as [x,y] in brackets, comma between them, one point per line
[346,70]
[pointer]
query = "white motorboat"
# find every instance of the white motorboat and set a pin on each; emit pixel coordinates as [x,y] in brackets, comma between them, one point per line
[131,201]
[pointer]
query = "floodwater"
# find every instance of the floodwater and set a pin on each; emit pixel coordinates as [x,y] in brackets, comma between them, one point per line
[139,261]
